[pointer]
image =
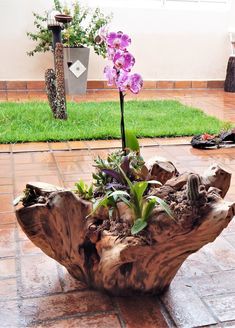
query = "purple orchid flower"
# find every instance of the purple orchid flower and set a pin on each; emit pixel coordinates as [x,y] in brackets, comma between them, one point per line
[118,40]
[135,83]
[132,82]
[122,81]
[110,74]
[123,60]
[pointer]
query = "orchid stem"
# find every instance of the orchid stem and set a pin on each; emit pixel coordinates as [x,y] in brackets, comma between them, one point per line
[121,95]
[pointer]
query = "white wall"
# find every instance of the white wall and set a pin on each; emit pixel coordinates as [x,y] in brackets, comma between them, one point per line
[169,44]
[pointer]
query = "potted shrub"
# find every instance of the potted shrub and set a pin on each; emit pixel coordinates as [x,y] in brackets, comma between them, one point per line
[77,38]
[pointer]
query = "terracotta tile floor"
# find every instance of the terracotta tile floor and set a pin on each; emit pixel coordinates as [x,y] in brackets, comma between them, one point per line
[35,291]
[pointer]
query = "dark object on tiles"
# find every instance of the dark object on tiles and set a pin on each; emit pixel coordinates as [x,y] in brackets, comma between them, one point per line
[204,141]
[229,84]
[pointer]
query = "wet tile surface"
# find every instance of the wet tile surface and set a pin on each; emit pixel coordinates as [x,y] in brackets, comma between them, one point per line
[141,312]
[39,276]
[35,291]
[185,306]
[96,321]
[40,293]
[9,314]
[68,304]
[7,268]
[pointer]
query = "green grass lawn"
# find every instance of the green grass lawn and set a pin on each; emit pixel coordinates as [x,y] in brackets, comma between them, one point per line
[32,121]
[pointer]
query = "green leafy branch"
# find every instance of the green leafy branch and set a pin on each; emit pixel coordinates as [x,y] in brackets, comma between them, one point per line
[81,31]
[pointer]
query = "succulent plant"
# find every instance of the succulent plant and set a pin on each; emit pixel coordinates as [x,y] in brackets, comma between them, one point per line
[192,190]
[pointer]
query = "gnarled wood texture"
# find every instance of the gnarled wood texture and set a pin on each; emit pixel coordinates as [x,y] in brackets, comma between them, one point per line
[162,170]
[100,258]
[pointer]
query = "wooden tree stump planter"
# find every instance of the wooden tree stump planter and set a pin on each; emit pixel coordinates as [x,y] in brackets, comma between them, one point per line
[104,255]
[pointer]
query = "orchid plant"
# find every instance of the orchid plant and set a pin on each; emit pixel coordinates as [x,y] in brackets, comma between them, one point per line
[123,177]
[119,73]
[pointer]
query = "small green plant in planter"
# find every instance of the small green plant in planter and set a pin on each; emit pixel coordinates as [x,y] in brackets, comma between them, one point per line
[83,190]
[81,32]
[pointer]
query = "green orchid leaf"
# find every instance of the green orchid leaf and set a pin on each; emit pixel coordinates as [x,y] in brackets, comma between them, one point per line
[90,191]
[164,206]
[131,141]
[136,191]
[119,192]
[82,184]
[138,226]
[105,201]
[137,195]
[148,208]
[77,185]
[126,201]
[99,203]
[139,189]
[83,190]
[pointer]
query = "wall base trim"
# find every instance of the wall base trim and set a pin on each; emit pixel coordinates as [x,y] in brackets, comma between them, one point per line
[98,84]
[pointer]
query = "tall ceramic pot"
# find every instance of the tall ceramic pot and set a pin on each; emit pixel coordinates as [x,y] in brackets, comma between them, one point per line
[76,62]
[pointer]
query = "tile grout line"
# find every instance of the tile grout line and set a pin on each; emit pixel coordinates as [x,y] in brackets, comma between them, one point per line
[32,159]
[68,146]
[2,225]
[51,294]
[118,313]
[49,148]
[209,309]
[88,147]
[45,295]
[91,148]
[17,248]
[59,174]
[73,316]
[8,277]
[166,314]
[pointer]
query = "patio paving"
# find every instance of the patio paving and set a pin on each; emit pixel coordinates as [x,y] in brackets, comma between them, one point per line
[35,291]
